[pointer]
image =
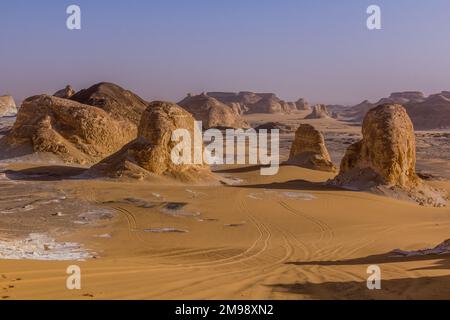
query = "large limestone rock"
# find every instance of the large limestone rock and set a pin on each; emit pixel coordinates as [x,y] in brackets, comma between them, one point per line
[65,93]
[309,150]
[150,153]
[212,112]
[65,130]
[319,111]
[121,104]
[384,161]
[7,106]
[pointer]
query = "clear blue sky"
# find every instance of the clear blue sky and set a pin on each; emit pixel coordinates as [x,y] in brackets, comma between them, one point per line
[162,49]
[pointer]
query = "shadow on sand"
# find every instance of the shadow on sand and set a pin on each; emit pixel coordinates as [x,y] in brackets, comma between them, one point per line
[404,288]
[425,288]
[45,173]
[443,263]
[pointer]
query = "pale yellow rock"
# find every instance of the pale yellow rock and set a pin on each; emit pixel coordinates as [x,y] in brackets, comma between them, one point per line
[309,150]
[385,159]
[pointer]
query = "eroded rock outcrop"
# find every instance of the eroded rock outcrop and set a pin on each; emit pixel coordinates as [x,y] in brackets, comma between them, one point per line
[212,112]
[150,153]
[65,129]
[384,161]
[319,111]
[121,104]
[7,106]
[309,150]
[65,93]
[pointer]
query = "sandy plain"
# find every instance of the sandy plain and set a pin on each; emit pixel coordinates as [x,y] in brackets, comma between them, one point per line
[287,236]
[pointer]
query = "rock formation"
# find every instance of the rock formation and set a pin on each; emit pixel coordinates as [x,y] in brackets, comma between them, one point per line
[309,150]
[319,111]
[7,106]
[268,104]
[384,160]
[212,112]
[302,105]
[150,153]
[65,93]
[121,104]
[249,102]
[70,131]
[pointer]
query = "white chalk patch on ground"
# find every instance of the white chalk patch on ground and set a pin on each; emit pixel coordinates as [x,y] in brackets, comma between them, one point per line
[299,195]
[443,248]
[195,194]
[42,247]
[232,181]
[104,236]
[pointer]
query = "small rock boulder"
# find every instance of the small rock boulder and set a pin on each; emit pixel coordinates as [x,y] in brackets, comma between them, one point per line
[384,161]
[309,150]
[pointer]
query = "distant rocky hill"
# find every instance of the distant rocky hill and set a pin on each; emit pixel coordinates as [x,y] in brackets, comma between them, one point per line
[212,112]
[249,102]
[432,112]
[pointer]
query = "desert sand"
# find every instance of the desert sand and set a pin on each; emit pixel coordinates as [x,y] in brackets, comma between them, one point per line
[288,236]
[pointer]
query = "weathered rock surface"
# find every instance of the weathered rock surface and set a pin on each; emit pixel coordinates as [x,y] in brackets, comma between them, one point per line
[150,153]
[121,104]
[212,112]
[73,132]
[7,106]
[309,150]
[65,93]
[384,161]
[319,111]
